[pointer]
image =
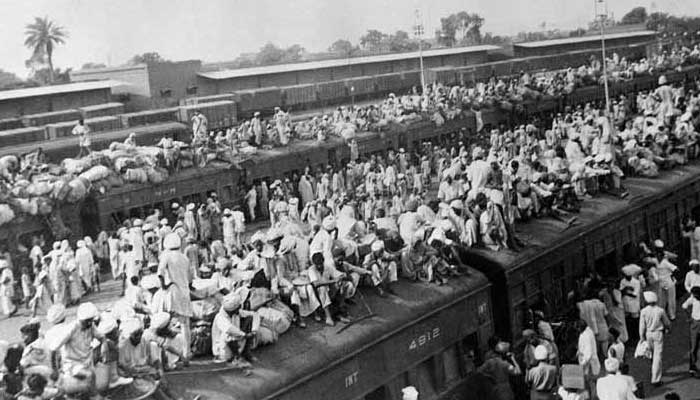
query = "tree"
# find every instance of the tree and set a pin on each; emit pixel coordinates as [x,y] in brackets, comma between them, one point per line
[92,65]
[401,42]
[42,36]
[269,54]
[460,28]
[151,57]
[8,80]
[44,76]
[372,40]
[343,48]
[637,15]
[293,53]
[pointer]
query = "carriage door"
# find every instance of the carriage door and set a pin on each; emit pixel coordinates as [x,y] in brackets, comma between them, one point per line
[332,158]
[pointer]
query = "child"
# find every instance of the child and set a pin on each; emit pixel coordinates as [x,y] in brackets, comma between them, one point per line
[35,389]
[617,348]
[26,286]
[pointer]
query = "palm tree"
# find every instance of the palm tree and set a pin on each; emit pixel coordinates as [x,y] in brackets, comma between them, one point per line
[42,36]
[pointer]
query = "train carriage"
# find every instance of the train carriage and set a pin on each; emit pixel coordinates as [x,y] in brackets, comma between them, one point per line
[607,233]
[428,335]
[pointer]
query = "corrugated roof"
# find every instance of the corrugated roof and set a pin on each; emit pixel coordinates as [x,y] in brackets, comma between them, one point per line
[311,65]
[582,39]
[58,89]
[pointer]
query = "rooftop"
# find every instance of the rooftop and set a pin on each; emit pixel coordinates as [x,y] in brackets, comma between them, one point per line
[311,65]
[15,94]
[583,39]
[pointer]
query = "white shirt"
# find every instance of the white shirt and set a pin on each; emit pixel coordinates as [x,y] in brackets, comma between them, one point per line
[614,387]
[478,172]
[587,352]
[631,304]
[694,305]
[692,278]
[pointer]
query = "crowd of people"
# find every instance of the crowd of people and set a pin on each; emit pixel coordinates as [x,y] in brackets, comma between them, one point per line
[194,284]
[613,321]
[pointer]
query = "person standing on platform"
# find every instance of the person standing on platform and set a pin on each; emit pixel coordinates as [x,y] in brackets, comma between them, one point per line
[692,277]
[614,386]
[653,322]
[83,132]
[692,305]
[631,288]
[542,378]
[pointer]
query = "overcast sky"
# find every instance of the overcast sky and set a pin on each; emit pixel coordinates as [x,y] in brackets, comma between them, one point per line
[111,31]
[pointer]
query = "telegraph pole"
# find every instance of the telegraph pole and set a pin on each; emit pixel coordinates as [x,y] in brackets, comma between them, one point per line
[602,15]
[418,32]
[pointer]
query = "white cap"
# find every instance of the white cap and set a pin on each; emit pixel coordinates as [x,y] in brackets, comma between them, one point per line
[107,324]
[409,393]
[541,353]
[377,245]
[612,365]
[650,297]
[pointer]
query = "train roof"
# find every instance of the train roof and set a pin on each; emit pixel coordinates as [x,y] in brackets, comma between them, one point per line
[583,39]
[301,355]
[311,65]
[98,139]
[545,235]
[8,95]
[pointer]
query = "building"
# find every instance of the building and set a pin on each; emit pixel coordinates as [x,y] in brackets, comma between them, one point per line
[558,46]
[149,86]
[19,102]
[216,82]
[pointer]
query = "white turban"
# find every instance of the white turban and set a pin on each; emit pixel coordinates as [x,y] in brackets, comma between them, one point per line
[56,313]
[86,311]
[650,297]
[172,241]
[231,302]
[107,324]
[160,320]
[541,353]
[377,245]
[612,365]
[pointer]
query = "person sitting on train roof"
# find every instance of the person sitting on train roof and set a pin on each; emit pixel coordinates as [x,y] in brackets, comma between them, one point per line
[234,331]
[383,267]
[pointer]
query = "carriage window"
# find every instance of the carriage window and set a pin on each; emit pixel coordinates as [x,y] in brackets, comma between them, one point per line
[379,394]
[606,266]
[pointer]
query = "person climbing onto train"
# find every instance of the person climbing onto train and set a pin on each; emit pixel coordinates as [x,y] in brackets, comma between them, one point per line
[500,366]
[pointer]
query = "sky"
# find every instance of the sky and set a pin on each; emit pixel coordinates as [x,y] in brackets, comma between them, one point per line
[112,31]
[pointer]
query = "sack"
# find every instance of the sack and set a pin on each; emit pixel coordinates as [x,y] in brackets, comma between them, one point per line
[73,166]
[27,206]
[78,191]
[6,214]
[642,350]
[136,175]
[39,188]
[274,320]
[205,309]
[96,173]
[162,301]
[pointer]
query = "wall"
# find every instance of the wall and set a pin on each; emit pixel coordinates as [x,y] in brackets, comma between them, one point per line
[291,78]
[520,51]
[58,102]
[175,76]
[136,76]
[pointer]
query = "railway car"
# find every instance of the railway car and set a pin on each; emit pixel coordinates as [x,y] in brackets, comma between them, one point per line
[608,231]
[428,336]
[106,211]
[67,147]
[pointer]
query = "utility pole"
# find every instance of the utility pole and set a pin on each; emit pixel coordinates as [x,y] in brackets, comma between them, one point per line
[418,32]
[602,14]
